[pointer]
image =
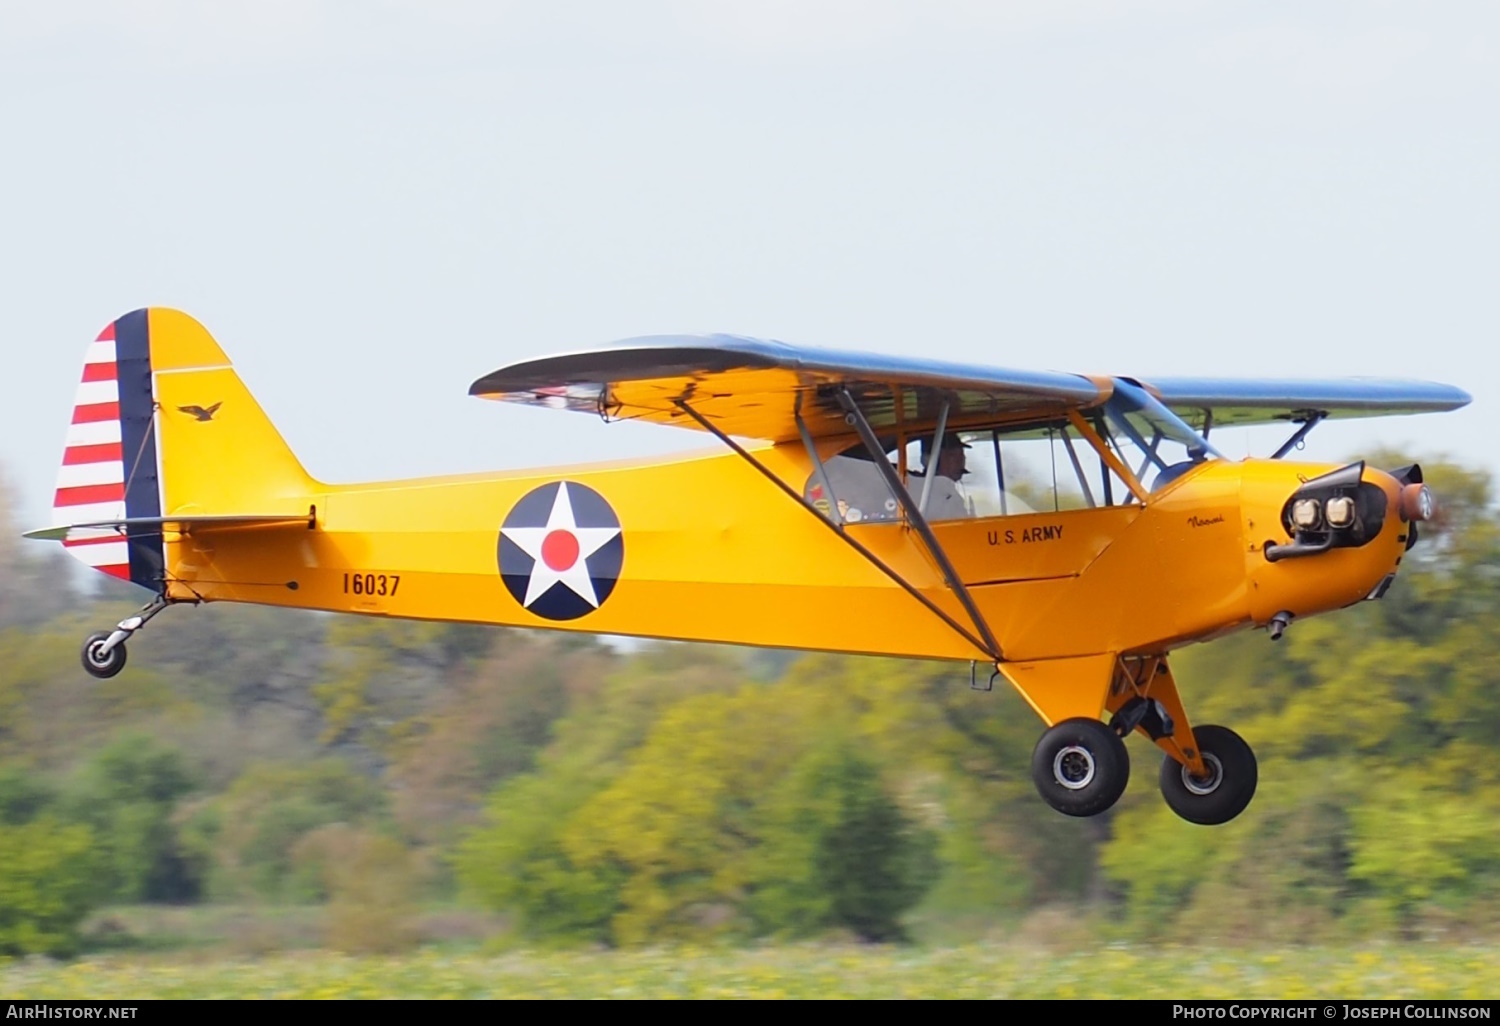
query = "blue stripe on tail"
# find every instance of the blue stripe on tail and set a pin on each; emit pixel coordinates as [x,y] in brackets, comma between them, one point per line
[138,438]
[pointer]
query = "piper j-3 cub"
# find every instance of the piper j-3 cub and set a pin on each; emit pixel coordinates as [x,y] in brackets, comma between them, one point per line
[1068,531]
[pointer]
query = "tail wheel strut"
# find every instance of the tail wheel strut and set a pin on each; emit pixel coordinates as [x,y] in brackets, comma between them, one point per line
[103,653]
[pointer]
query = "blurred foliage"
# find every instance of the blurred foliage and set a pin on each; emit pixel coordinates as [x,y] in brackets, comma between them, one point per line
[30,573]
[250,833]
[371,884]
[518,861]
[838,851]
[48,883]
[673,792]
[673,810]
[489,722]
[126,793]
[1071,967]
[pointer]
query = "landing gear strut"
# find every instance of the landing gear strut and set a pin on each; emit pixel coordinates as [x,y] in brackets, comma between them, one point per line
[104,651]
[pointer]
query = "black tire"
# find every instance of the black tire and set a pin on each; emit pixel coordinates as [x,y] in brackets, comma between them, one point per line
[1223,796]
[1080,767]
[107,665]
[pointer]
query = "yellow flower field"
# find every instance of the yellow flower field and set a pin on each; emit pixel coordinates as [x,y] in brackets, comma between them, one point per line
[792,971]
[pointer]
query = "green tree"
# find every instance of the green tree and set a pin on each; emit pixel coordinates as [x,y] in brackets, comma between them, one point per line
[127,794]
[251,831]
[24,795]
[837,851]
[516,859]
[490,723]
[711,805]
[36,579]
[371,884]
[49,881]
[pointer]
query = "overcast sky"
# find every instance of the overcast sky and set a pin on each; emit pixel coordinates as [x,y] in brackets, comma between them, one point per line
[371,203]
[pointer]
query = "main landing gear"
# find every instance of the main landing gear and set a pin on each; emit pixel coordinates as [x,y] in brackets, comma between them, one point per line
[103,653]
[1224,791]
[1080,768]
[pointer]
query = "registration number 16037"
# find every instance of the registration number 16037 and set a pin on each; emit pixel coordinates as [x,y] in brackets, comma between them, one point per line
[371,584]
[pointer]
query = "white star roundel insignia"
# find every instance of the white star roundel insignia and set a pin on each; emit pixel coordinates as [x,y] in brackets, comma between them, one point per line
[561,550]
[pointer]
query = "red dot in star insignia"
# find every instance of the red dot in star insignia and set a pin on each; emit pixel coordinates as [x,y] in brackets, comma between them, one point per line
[560,550]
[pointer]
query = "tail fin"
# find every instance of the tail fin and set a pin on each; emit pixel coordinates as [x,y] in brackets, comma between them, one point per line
[164,427]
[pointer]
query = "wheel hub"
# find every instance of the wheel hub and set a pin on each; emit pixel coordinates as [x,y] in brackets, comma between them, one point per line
[1073,767]
[1207,784]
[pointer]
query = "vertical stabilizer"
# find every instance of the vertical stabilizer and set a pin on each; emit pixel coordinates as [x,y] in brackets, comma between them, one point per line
[163,426]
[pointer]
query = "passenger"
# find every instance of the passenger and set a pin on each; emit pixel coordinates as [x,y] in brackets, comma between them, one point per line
[861,493]
[858,487]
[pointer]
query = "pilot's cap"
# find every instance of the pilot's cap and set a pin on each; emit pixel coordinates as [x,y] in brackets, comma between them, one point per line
[951,441]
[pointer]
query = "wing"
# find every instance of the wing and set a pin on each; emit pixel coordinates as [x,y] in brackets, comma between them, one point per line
[1265,400]
[754,388]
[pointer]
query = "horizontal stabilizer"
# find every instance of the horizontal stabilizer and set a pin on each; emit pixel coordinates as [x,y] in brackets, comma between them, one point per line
[137,526]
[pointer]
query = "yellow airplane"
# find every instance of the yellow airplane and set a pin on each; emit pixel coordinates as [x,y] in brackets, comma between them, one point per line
[860,503]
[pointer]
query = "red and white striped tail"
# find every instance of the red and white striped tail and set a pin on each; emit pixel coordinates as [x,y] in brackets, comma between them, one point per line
[91,482]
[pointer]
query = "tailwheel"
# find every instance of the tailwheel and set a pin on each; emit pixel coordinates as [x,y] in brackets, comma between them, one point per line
[104,651]
[1080,767]
[102,661]
[1228,786]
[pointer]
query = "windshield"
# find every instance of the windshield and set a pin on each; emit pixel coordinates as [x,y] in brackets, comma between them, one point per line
[1158,437]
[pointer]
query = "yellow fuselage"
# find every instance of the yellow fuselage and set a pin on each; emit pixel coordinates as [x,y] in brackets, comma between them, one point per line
[715,552]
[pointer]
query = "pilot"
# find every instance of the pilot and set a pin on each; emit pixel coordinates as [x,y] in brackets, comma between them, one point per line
[946,500]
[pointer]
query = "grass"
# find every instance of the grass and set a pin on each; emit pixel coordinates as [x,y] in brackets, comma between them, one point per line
[785,971]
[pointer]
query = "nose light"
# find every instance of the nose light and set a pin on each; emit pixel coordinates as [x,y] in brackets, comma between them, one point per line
[1339,510]
[1307,514]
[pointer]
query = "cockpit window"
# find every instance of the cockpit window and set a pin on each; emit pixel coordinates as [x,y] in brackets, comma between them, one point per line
[1157,444]
[852,483]
[1043,466]
[990,473]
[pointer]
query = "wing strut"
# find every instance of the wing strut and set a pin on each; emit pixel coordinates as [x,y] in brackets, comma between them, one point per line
[838,529]
[1313,419]
[914,514]
[937,447]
